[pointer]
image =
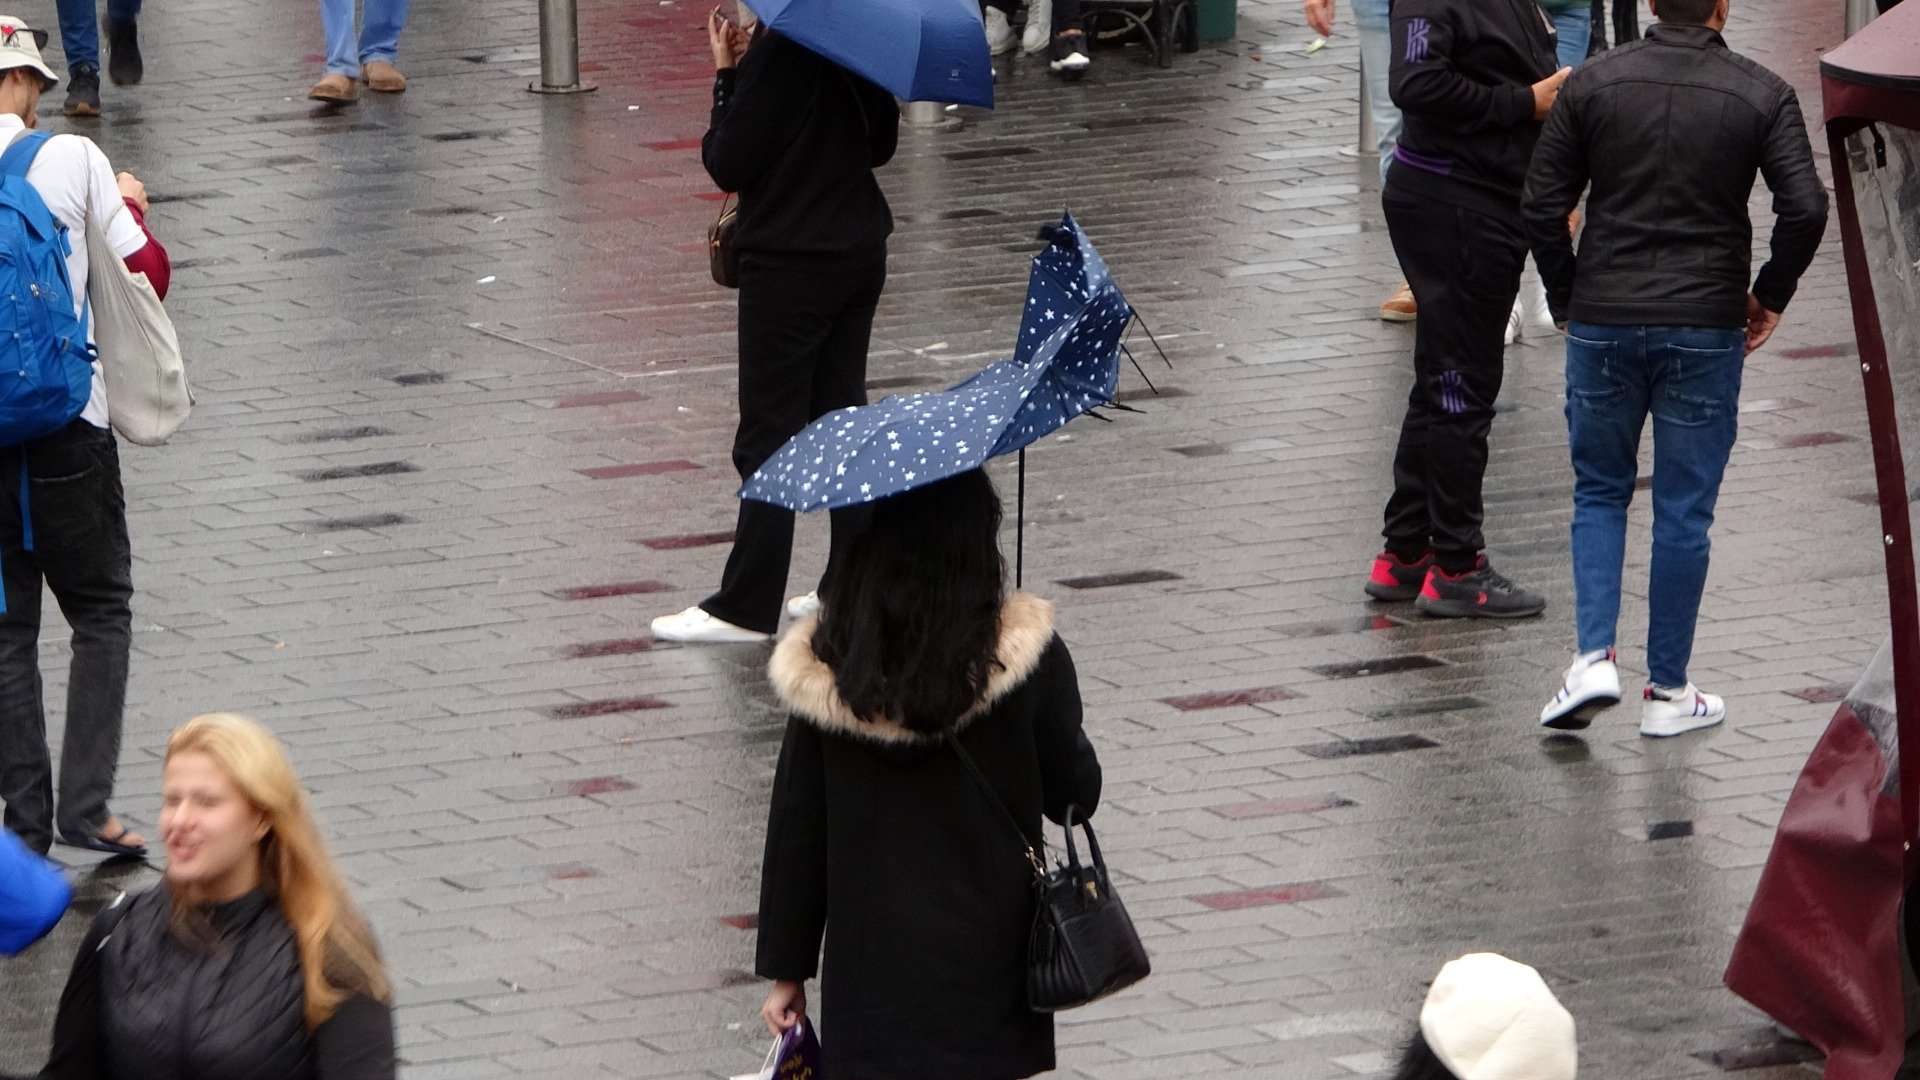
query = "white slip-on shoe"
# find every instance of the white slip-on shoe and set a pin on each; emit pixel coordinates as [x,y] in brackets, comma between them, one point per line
[1000,37]
[799,607]
[1514,320]
[1539,314]
[1039,32]
[1668,711]
[1590,685]
[695,627]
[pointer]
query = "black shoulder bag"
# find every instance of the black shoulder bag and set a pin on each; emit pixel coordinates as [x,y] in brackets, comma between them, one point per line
[1083,946]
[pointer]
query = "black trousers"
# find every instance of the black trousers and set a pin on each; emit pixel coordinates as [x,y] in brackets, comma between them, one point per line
[1465,271]
[80,551]
[803,353]
[1066,13]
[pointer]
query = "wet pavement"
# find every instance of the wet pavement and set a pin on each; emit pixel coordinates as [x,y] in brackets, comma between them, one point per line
[465,408]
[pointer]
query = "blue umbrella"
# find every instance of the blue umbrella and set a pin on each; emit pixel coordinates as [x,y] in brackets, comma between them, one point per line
[920,50]
[1067,275]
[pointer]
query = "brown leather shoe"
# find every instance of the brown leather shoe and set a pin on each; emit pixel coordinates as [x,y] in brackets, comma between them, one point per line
[1400,306]
[383,77]
[333,88]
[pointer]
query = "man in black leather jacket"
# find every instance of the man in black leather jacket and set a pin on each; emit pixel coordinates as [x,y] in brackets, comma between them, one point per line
[1668,133]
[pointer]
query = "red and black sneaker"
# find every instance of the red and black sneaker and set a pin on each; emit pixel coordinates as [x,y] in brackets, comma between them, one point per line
[1396,579]
[1480,593]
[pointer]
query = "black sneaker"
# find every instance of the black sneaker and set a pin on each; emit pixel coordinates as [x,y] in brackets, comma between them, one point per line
[1480,593]
[124,63]
[83,92]
[1395,579]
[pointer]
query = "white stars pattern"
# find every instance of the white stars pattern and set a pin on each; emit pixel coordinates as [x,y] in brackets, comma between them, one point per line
[1066,362]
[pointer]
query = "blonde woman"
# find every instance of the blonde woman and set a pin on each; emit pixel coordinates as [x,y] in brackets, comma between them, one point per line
[249,960]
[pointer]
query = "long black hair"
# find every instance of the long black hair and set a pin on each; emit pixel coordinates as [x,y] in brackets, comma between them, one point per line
[1419,1062]
[910,613]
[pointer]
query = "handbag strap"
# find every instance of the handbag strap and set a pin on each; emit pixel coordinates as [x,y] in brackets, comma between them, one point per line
[1033,857]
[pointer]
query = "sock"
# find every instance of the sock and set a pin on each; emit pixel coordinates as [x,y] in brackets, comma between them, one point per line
[1407,554]
[1455,563]
[1594,656]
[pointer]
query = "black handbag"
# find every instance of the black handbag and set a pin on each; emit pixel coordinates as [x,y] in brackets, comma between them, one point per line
[1083,945]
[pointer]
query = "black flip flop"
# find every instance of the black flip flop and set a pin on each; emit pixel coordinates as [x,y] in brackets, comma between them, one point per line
[110,847]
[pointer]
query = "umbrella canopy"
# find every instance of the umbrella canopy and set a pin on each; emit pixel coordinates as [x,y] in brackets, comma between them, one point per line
[919,50]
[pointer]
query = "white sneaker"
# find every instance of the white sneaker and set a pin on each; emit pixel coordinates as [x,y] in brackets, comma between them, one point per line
[695,627]
[800,607]
[1039,33]
[1667,712]
[1590,685]
[1514,319]
[1000,39]
[1074,63]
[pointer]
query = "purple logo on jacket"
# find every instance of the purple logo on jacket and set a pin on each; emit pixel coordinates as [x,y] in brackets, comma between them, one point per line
[1416,40]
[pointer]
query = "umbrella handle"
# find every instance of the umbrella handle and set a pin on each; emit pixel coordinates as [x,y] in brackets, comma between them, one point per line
[1020,524]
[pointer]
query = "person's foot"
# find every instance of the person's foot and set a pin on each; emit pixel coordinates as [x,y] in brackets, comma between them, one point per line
[1039,29]
[1590,685]
[1514,320]
[383,78]
[83,91]
[125,66]
[114,838]
[1538,315]
[799,607]
[1070,54]
[695,627]
[1400,306]
[1000,36]
[337,88]
[1394,579]
[1666,711]
[1480,593]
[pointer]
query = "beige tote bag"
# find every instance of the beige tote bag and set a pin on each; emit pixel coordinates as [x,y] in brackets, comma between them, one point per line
[147,393]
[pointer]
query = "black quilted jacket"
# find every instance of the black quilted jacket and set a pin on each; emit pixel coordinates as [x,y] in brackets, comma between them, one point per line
[142,1004]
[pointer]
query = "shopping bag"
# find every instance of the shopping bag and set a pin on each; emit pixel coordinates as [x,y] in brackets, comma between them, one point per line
[33,895]
[795,1055]
[147,393]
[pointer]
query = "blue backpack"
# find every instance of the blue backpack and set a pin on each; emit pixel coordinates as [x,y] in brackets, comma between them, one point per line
[46,364]
[33,895]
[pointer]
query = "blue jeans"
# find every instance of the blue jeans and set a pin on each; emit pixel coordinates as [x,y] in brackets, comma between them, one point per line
[80,28]
[1376,51]
[1688,378]
[1572,32]
[379,37]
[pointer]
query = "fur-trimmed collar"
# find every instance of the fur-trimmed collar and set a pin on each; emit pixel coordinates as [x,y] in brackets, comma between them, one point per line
[805,684]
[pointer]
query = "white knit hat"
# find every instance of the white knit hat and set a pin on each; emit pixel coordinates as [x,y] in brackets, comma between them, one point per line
[1489,1018]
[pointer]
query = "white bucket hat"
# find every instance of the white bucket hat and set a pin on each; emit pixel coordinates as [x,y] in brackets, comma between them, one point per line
[18,49]
[1490,1018]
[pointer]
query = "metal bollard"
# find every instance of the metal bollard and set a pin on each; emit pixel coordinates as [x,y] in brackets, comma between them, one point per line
[559,50]
[928,115]
[1859,14]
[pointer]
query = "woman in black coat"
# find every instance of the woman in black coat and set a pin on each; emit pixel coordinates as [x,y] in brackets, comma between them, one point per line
[797,137]
[249,962]
[879,838]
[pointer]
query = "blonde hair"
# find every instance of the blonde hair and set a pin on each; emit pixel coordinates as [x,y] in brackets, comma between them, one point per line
[338,956]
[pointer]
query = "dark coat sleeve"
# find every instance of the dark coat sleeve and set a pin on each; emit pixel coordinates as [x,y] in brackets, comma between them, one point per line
[793,875]
[757,110]
[882,114]
[1799,205]
[78,1043]
[1555,180]
[1422,79]
[1069,771]
[356,1042]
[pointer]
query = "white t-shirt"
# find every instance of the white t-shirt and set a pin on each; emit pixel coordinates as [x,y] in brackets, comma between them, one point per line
[62,172]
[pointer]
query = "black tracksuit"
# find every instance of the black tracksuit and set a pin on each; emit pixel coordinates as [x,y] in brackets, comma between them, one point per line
[798,137]
[1462,74]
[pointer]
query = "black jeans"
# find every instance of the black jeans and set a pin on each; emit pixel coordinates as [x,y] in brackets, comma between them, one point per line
[1465,271]
[803,354]
[80,551]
